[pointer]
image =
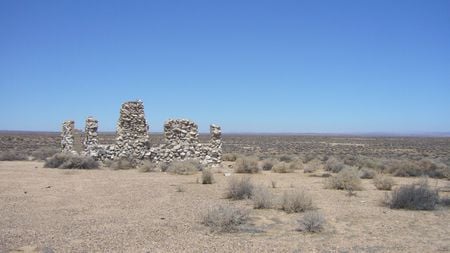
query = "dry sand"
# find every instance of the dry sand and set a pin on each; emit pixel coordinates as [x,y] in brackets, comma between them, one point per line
[47,210]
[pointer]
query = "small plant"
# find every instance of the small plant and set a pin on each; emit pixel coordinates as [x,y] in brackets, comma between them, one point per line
[247,165]
[225,218]
[70,161]
[239,188]
[347,179]
[120,164]
[187,167]
[262,198]
[207,176]
[296,201]
[230,157]
[148,166]
[383,182]
[282,167]
[267,164]
[418,196]
[334,165]
[12,155]
[366,173]
[312,222]
[285,158]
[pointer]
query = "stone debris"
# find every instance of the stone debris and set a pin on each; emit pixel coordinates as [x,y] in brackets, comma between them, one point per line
[132,142]
[67,138]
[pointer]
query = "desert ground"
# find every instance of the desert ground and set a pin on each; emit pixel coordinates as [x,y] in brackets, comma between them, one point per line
[104,210]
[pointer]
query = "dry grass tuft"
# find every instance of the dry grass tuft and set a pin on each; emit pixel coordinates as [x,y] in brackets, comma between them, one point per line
[347,179]
[383,182]
[239,188]
[71,161]
[225,218]
[207,176]
[187,167]
[262,198]
[418,196]
[246,165]
[296,201]
[312,222]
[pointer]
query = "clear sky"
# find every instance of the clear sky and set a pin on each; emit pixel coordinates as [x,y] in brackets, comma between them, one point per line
[250,66]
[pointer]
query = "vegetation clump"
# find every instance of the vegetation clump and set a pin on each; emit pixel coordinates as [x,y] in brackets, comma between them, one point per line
[246,165]
[12,155]
[262,198]
[239,188]
[347,179]
[334,165]
[225,218]
[207,176]
[71,161]
[186,167]
[383,182]
[417,196]
[312,222]
[296,201]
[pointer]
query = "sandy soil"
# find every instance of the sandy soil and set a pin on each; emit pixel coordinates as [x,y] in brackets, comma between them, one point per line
[47,210]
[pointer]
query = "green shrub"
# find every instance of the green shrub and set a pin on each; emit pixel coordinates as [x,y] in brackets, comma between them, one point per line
[225,218]
[70,161]
[383,182]
[367,173]
[346,179]
[186,167]
[334,165]
[418,196]
[12,155]
[246,165]
[239,188]
[262,198]
[296,201]
[207,176]
[312,222]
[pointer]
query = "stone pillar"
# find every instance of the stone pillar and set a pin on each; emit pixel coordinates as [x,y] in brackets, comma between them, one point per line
[216,143]
[67,136]
[90,136]
[132,131]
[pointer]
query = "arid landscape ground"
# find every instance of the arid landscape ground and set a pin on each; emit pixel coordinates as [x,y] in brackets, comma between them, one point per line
[105,210]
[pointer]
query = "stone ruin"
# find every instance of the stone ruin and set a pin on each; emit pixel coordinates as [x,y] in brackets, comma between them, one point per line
[181,140]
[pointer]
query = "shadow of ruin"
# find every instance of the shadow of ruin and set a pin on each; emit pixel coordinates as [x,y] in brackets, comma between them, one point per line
[132,140]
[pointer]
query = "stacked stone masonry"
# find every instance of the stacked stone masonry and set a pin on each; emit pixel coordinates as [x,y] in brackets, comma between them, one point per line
[67,138]
[132,142]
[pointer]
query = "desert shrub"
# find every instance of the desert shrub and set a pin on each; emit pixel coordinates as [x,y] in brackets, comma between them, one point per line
[383,182]
[417,196]
[148,166]
[163,166]
[346,179]
[285,158]
[186,167]
[334,165]
[434,168]
[296,201]
[282,167]
[13,155]
[267,164]
[70,161]
[312,222]
[230,157]
[403,168]
[312,166]
[246,165]
[225,218]
[296,164]
[44,153]
[207,176]
[424,167]
[262,198]
[445,201]
[239,188]
[119,164]
[367,173]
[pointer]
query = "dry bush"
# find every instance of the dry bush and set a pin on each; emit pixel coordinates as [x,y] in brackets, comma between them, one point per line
[70,161]
[366,173]
[148,166]
[296,164]
[44,153]
[230,157]
[119,164]
[444,201]
[312,166]
[267,164]
[286,158]
[346,179]
[207,176]
[186,167]
[262,197]
[239,188]
[225,218]
[312,222]
[283,167]
[383,182]
[163,166]
[246,165]
[296,201]
[418,196]
[334,165]
[12,155]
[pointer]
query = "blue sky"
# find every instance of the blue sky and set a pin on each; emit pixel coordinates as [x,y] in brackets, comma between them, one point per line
[250,66]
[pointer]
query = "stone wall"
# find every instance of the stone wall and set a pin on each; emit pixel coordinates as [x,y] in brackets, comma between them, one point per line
[181,139]
[67,138]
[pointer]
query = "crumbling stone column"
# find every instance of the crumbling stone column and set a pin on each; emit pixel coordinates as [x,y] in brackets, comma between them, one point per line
[180,130]
[67,136]
[215,143]
[91,137]
[132,131]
